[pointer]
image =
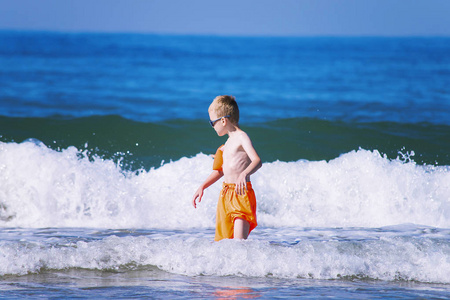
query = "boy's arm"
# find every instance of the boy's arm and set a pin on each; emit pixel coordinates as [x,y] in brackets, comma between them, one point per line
[212,178]
[255,164]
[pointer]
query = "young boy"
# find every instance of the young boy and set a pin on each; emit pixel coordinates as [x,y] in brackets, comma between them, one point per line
[236,161]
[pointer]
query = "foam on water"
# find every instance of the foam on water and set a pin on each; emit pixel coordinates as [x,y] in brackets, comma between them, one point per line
[301,206]
[360,188]
[40,187]
[386,258]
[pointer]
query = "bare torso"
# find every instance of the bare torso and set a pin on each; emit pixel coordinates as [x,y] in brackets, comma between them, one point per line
[235,159]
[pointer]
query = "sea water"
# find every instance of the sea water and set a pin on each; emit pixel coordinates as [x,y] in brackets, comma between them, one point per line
[104,140]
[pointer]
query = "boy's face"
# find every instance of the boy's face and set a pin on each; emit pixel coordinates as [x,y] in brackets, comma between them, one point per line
[218,126]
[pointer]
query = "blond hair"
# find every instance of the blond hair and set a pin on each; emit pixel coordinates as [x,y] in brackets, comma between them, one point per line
[226,106]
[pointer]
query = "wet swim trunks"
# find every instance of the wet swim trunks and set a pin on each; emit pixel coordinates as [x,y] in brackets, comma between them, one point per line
[232,206]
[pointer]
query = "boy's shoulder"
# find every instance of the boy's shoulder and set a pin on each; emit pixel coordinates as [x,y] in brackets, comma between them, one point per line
[244,136]
[238,140]
[239,136]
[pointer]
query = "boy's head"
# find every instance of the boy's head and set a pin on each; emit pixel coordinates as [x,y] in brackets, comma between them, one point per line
[225,106]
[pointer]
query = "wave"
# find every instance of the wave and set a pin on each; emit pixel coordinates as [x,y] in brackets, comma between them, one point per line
[41,187]
[390,259]
[145,145]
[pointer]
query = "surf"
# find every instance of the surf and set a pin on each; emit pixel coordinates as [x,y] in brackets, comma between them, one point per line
[42,187]
[353,254]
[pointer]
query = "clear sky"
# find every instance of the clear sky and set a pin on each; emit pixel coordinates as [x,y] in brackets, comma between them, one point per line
[232,17]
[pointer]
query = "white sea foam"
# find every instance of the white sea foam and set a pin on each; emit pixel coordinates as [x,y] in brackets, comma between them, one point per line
[424,260]
[300,206]
[40,187]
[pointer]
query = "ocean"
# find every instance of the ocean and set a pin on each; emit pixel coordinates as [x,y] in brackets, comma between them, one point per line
[104,138]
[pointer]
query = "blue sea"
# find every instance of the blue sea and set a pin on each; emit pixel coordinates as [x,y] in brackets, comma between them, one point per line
[104,138]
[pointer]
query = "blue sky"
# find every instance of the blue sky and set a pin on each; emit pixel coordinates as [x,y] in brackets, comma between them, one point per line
[232,17]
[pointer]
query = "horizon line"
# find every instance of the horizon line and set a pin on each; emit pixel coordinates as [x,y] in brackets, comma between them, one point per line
[112,32]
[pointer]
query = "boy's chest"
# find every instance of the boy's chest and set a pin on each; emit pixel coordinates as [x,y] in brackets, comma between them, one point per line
[233,151]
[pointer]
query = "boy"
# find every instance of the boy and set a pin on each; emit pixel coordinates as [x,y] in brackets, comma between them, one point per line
[236,161]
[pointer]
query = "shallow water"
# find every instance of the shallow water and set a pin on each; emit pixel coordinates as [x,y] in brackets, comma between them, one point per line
[159,285]
[118,273]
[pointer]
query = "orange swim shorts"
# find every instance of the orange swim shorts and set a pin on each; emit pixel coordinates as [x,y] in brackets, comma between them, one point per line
[232,206]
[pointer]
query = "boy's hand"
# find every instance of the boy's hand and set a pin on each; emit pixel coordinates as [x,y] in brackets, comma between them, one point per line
[241,184]
[198,194]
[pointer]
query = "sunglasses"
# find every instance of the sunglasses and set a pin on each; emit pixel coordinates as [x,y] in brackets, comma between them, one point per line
[214,121]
